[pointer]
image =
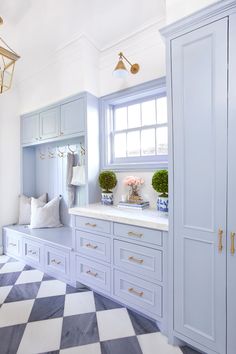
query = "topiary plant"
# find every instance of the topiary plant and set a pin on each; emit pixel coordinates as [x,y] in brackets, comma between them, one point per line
[160,182]
[107,181]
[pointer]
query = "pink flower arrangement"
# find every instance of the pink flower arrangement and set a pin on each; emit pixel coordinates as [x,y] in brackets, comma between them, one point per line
[133,181]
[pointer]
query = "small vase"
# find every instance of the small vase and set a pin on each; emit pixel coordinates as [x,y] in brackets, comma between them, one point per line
[162,204]
[107,198]
[134,196]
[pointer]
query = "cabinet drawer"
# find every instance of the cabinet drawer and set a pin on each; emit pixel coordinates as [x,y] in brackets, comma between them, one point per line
[13,243]
[138,259]
[92,224]
[57,261]
[93,245]
[138,293]
[32,251]
[93,274]
[138,233]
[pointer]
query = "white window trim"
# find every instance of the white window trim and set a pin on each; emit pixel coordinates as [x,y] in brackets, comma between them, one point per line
[153,88]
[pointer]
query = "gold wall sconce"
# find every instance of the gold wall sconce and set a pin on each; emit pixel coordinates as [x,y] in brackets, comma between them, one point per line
[120,70]
[7,64]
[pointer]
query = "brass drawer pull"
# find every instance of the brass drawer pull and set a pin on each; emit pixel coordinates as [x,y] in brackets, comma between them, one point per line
[89,245]
[31,252]
[12,244]
[232,247]
[136,292]
[91,225]
[131,233]
[220,243]
[91,273]
[56,262]
[133,259]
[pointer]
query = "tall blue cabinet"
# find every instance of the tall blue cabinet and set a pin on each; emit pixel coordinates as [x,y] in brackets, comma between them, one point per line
[201,76]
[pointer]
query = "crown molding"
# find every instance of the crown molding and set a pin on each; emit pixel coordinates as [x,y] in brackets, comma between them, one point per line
[220,8]
[156,23]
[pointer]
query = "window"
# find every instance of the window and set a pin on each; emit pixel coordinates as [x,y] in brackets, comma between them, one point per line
[135,129]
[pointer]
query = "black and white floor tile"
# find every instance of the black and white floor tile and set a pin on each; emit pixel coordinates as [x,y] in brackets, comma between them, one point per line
[39,314]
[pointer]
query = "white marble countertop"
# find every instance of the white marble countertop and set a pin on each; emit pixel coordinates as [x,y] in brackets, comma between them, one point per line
[147,218]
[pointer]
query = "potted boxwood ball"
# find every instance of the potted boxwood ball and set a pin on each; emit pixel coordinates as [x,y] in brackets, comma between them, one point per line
[160,184]
[107,181]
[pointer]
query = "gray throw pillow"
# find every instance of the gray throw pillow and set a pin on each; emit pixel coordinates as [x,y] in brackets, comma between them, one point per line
[25,208]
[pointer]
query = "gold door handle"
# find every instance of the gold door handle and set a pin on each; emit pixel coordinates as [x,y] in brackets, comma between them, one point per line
[136,292]
[91,273]
[89,224]
[232,247]
[89,245]
[133,259]
[220,242]
[131,233]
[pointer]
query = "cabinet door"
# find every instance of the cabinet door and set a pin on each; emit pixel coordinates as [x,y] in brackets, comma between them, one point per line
[231,255]
[73,117]
[199,86]
[50,123]
[30,129]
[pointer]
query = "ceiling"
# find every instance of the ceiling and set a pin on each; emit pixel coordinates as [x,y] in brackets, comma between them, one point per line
[37,28]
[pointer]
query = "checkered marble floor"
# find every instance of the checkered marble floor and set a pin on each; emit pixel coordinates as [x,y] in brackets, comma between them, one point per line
[39,314]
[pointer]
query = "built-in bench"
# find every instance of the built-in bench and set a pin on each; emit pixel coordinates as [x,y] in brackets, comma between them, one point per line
[46,249]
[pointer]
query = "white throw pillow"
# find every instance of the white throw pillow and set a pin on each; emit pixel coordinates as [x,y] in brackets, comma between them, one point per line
[45,215]
[25,208]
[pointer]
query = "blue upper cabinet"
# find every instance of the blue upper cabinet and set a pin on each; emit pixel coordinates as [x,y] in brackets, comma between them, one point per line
[66,119]
[73,117]
[30,129]
[50,123]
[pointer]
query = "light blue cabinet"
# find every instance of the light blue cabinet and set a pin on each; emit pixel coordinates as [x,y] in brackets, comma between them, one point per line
[30,129]
[66,119]
[201,71]
[73,117]
[231,259]
[50,123]
[200,155]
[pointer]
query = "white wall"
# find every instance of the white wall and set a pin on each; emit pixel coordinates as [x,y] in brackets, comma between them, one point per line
[9,158]
[176,9]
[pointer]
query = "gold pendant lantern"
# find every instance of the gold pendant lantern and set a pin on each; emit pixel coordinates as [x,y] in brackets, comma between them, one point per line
[7,63]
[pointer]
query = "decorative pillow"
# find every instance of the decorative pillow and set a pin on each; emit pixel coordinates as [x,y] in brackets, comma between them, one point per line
[45,214]
[25,208]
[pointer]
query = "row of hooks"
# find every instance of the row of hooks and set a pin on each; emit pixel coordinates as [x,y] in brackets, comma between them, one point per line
[61,152]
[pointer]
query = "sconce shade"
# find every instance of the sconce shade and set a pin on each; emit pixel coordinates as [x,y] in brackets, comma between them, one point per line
[120,70]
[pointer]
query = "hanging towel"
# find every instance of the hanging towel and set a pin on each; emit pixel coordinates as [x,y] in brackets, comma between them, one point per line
[70,188]
[78,177]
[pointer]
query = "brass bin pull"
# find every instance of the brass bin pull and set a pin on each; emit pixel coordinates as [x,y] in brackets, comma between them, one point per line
[91,225]
[131,258]
[136,292]
[220,242]
[12,244]
[89,245]
[91,273]
[32,252]
[232,247]
[56,262]
[131,233]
